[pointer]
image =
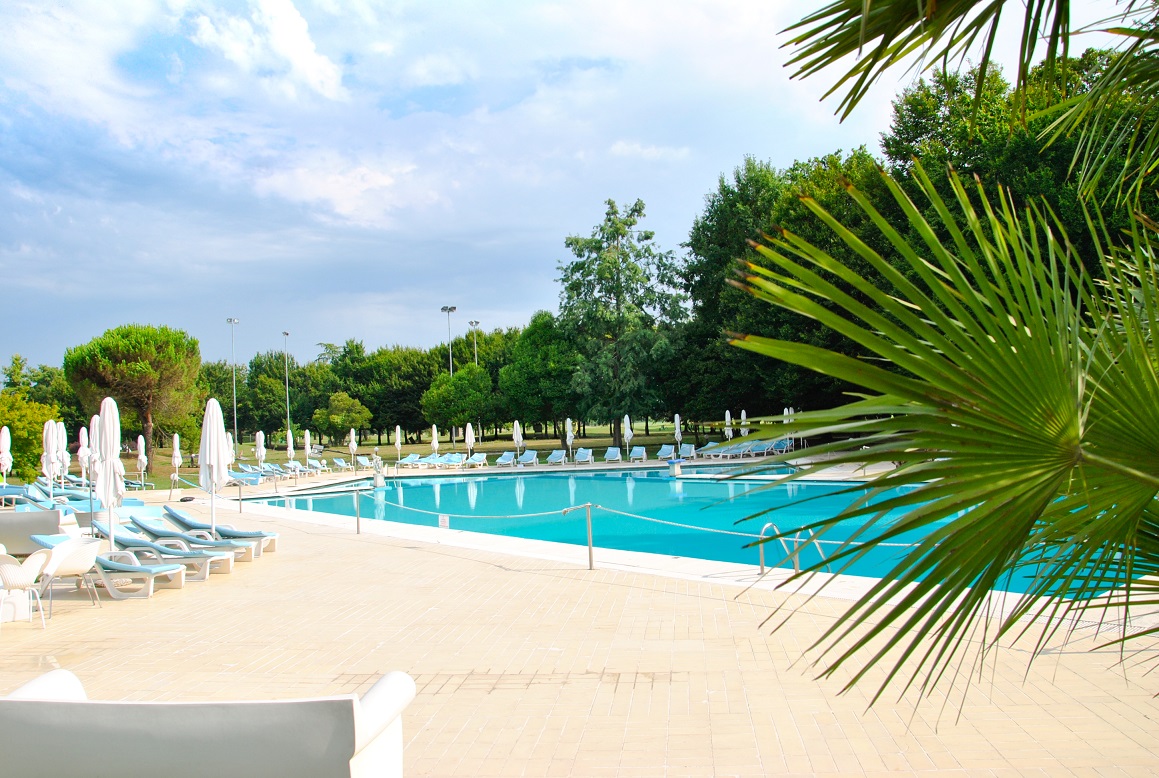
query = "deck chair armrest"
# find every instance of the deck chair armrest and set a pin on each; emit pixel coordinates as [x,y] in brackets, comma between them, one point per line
[382,705]
[176,543]
[123,556]
[204,534]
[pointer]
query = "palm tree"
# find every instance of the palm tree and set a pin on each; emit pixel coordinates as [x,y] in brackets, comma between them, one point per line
[1119,111]
[1019,400]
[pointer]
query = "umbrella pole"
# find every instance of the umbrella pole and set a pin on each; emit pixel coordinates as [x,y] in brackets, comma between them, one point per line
[213,509]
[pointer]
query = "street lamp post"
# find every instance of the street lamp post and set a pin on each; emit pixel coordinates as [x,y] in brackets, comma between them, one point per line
[475,338]
[286,354]
[233,322]
[449,309]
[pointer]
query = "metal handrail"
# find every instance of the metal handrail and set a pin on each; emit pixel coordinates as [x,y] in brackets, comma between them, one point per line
[790,552]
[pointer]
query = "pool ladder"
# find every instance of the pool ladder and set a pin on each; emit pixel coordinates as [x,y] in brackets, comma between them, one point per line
[797,541]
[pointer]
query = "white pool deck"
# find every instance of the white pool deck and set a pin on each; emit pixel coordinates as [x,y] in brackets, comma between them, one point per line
[529,664]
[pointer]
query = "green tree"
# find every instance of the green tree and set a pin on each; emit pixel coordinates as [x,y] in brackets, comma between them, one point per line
[1021,410]
[266,389]
[16,374]
[615,291]
[400,376]
[25,420]
[454,400]
[217,380]
[536,385]
[150,370]
[48,386]
[1116,111]
[341,413]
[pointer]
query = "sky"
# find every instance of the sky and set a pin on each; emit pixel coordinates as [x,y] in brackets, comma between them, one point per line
[345,168]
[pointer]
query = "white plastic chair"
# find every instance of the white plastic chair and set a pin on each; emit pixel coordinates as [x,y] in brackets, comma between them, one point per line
[17,576]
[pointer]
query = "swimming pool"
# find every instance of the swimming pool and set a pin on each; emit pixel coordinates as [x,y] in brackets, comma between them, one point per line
[632,510]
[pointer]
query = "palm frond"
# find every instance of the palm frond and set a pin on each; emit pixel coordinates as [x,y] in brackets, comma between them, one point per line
[1022,410]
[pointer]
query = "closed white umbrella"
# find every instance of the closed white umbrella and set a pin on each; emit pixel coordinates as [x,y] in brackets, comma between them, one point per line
[469,438]
[627,430]
[5,454]
[232,448]
[176,459]
[213,456]
[94,448]
[110,482]
[352,444]
[48,457]
[744,423]
[570,436]
[677,433]
[260,448]
[728,425]
[517,436]
[435,438]
[82,452]
[62,455]
[142,460]
[306,446]
[289,447]
[398,440]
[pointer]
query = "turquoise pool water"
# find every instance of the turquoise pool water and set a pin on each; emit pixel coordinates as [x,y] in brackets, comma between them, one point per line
[637,511]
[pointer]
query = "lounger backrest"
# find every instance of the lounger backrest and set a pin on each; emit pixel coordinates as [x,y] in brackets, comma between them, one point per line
[290,738]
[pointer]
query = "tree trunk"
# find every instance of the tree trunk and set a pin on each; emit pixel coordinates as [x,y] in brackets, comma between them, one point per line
[149,440]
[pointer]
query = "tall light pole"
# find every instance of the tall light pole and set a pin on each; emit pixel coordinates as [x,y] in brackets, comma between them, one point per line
[233,322]
[449,309]
[475,337]
[286,354]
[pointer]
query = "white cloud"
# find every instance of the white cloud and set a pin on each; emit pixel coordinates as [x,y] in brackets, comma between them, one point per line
[632,149]
[275,39]
[440,70]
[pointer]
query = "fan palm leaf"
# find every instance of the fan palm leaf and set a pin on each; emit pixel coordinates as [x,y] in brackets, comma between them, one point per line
[1021,410]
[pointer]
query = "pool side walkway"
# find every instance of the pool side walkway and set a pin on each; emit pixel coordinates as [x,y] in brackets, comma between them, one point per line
[529,664]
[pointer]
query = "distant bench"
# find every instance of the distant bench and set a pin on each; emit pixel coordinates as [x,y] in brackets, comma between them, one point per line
[49,727]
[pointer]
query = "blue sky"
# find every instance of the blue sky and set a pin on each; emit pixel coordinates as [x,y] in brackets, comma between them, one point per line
[344,168]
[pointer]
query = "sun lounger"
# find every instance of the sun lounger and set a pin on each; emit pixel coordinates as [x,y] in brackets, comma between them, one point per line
[506,458]
[783,446]
[557,457]
[687,451]
[50,727]
[269,540]
[318,465]
[115,566]
[638,454]
[529,457]
[584,456]
[452,460]
[363,462]
[613,454]
[476,460]
[430,460]
[246,479]
[199,564]
[244,550]
[410,460]
[666,452]
[342,464]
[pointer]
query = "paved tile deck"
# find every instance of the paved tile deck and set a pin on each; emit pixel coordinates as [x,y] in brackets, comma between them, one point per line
[533,665]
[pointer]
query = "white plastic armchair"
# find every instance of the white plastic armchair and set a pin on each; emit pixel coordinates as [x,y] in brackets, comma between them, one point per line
[17,576]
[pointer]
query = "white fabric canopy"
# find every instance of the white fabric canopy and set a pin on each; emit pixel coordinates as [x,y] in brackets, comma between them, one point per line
[627,430]
[110,479]
[5,454]
[677,433]
[48,457]
[177,460]
[744,423]
[570,435]
[728,425]
[398,440]
[142,460]
[306,446]
[213,456]
[94,445]
[289,446]
[63,458]
[517,435]
[353,443]
[435,438]
[260,447]
[469,437]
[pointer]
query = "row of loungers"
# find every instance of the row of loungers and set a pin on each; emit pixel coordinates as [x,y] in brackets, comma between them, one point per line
[147,554]
[582,456]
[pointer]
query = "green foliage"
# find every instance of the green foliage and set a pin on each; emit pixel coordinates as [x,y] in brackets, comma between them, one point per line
[48,386]
[265,379]
[1116,111]
[341,414]
[452,401]
[615,292]
[536,384]
[25,420]
[150,370]
[706,376]
[1022,412]
[400,377]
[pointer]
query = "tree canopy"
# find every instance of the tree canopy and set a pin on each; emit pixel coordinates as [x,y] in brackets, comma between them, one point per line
[151,370]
